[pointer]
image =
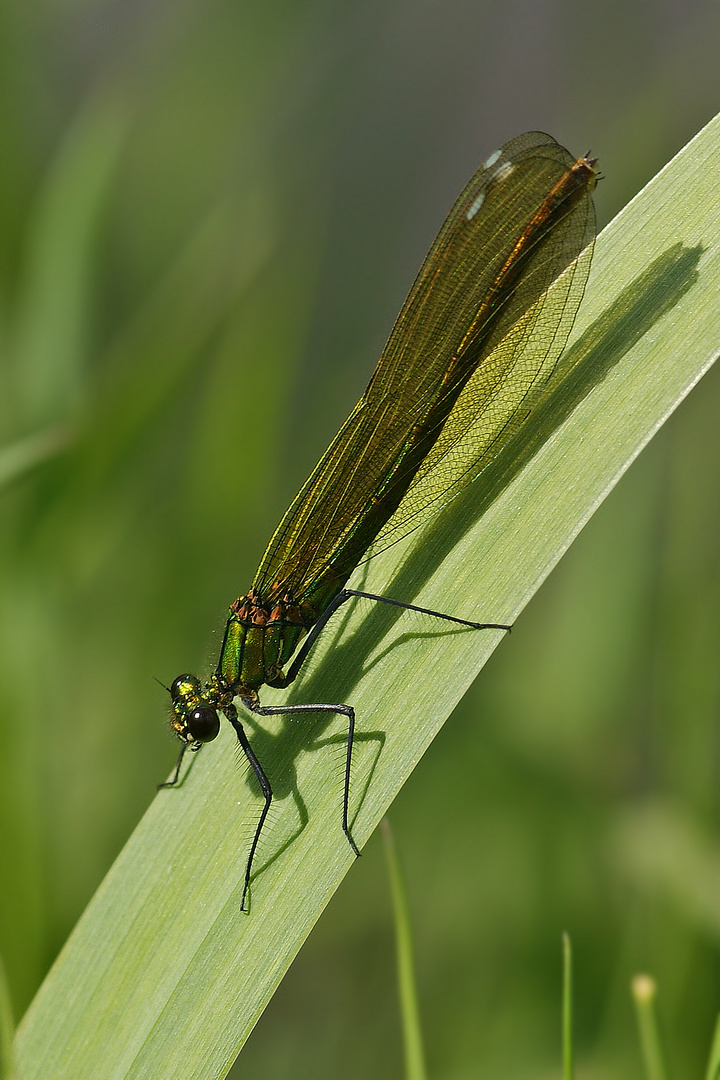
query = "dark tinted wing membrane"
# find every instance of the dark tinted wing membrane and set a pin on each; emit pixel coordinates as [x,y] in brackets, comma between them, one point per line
[512,376]
[474,340]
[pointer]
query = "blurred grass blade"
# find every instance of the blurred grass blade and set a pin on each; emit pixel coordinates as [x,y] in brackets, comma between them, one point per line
[644,992]
[567,1006]
[25,454]
[668,850]
[7,1029]
[169,333]
[51,328]
[407,989]
[164,975]
[713,1069]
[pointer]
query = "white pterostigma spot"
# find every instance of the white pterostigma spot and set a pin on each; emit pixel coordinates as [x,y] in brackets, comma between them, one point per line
[492,159]
[502,172]
[475,205]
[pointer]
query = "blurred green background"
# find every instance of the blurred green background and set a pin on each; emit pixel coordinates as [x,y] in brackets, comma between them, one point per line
[209,215]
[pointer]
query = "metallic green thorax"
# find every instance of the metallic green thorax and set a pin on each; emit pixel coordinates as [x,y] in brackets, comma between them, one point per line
[259,642]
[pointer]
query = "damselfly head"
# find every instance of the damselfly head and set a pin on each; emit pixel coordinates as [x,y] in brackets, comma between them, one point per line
[193,720]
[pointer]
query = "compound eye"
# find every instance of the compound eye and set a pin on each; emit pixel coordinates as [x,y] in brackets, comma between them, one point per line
[203,724]
[183,685]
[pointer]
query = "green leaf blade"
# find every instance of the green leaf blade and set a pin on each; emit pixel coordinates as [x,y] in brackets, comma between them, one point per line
[164,975]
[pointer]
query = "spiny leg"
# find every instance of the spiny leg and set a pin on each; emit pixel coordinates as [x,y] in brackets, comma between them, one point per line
[231,714]
[346,710]
[428,611]
[174,779]
[342,710]
[346,594]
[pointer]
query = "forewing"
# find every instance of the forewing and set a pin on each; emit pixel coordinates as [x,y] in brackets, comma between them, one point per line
[441,320]
[505,387]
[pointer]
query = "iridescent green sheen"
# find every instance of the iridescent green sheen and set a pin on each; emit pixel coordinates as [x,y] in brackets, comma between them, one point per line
[258,644]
